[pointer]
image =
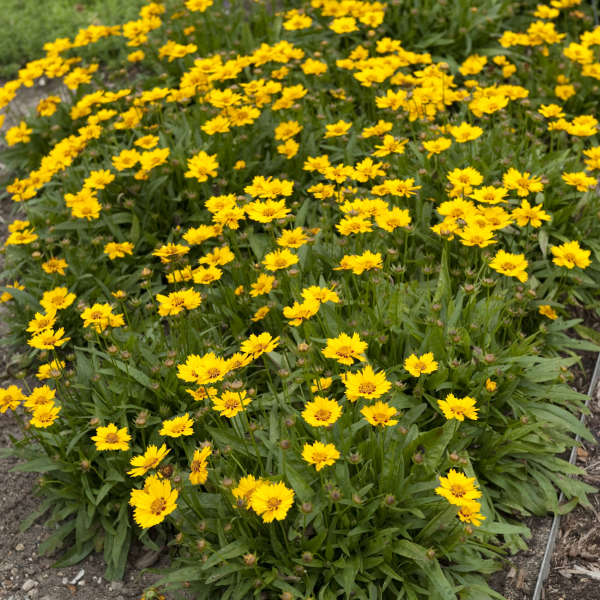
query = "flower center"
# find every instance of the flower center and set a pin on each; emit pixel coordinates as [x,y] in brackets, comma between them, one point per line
[158,506]
[457,491]
[367,387]
[111,438]
[273,503]
[323,414]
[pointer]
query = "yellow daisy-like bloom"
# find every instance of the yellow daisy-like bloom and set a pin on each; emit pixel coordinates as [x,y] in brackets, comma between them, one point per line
[48,339]
[511,265]
[178,426]
[319,454]
[260,314]
[40,322]
[245,489]
[547,311]
[469,513]
[490,386]
[10,397]
[118,250]
[51,370]
[231,403]
[320,384]
[45,415]
[437,146]
[458,408]
[489,194]
[198,466]
[149,460]
[175,302]
[345,349]
[534,215]
[40,396]
[279,259]
[465,132]
[524,183]
[380,414]
[57,299]
[337,129]
[112,438]
[457,488]
[272,501]
[580,180]
[202,166]
[570,255]
[170,251]
[292,238]
[203,369]
[321,412]
[153,503]
[320,294]
[256,345]
[419,365]
[366,384]
[55,265]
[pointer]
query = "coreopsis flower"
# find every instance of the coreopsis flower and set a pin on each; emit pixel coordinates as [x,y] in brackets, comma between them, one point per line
[294,238]
[490,385]
[359,263]
[279,259]
[463,181]
[197,235]
[198,466]
[534,215]
[98,180]
[287,130]
[465,132]
[458,408]
[178,426]
[272,501]
[319,454]
[366,384]
[457,488]
[86,209]
[151,458]
[55,265]
[48,339]
[269,188]
[343,25]
[390,220]
[40,322]
[389,145]
[112,438]
[321,412]
[44,416]
[489,194]
[547,311]
[206,275]
[570,255]
[320,294]
[379,129]
[57,299]
[154,502]
[218,257]
[296,21]
[260,314]
[403,188]
[380,414]
[40,396]
[511,265]
[100,316]
[354,224]
[17,134]
[419,365]
[10,397]
[170,251]
[592,161]
[51,370]
[126,159]
[263,285]
[6,296]
[299,312]
[345,349]
[176,302]
[580,180]
[203,369]
[313,67]
[256,345]
[473,64]
[474,235]
[469,513]
[202,166]
[231,403]
[147,142]
[337,129]
[266,211]
[26,236]
[245,489]
[524,183]
[289,148]
[118,249]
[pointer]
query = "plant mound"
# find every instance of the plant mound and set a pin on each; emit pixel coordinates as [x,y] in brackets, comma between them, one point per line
[296,283]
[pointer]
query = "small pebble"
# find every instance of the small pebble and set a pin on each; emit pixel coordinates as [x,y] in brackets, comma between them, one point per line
[29,585]
[19,547]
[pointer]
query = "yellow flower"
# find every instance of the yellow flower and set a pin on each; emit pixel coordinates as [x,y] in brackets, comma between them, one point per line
[465,132]
[547,311]
[343,25]
[245,489]
[419,365]
[55,265]
[48,339]
[469,513]
[203,369]
[490,386]
[175,302]
[345,349]
[580,180]
[17,134]
[178,426]
[118,250]
[153,503]
[511,265]
[198,466]
[111,438]
[524,183]
[321,412]
[149,460]
[40,396]
[380,414]
[272,501]
[458,408]
[231,403]
[279,259]
[366,384]
[570,255]
[169,251]
[10,397]
[457,488]
[256,345]
[337,129]
[45,415]
[319,454]
[57,299]
[202,166]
